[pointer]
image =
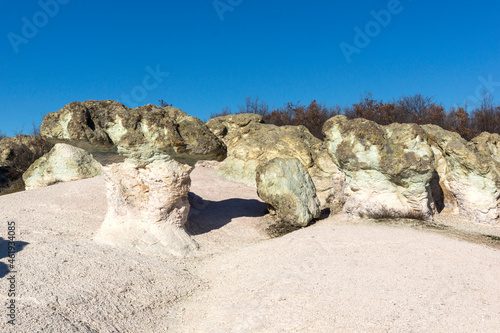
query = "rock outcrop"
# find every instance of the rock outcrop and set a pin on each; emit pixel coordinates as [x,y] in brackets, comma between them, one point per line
[288,190]
[225,126]
[148,154]
[63,163]
[388,168]
[487,144]
[250,143]
[109,129]
[407,170]
[17,154]
[469,173]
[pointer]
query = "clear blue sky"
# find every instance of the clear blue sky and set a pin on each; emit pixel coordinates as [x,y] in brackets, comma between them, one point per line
[280,51]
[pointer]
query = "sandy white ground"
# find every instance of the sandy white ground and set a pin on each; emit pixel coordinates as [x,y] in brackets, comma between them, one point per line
[335,276]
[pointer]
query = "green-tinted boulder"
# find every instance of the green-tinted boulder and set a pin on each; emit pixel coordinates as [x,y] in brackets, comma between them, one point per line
[388,168]
[63,163]
[288,190]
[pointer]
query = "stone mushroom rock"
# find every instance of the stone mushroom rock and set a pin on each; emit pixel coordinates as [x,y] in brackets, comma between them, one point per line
[288,190]
[388,168]
[469,173]
[110,131]
[250,143]
[148,153]
[63,163]
[148,206]
[17,154]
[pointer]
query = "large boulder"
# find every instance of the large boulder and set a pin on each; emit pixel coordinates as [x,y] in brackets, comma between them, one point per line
[288,190]
[148,153]
[388,168]
[469,173]
[63,163]
[109,129]
[17,154]
[250,143]
[224,126]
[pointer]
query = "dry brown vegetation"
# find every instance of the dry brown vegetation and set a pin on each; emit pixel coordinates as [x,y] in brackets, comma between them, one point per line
[417,109]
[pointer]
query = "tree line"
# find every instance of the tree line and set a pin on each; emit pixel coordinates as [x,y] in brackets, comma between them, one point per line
[419,109]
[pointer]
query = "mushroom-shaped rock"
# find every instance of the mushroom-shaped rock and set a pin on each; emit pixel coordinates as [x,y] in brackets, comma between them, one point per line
[388,168]
[148,206]
[148,153]
[288,190]
[63,163]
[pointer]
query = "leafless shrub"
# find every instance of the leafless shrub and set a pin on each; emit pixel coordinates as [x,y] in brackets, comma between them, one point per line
[35,130]
[163,104]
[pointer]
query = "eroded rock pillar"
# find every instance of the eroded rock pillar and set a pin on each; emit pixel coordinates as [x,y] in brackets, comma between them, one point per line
[147,206]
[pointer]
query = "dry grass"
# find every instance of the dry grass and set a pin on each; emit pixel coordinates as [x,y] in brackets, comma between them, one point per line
[385,213]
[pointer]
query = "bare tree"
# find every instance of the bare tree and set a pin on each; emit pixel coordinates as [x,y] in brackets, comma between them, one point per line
[254,106]
[163,103]
[486,115]
[35,130]
[224,112]
[458,120]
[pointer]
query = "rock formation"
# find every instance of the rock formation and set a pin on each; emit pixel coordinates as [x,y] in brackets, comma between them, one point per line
[111,131]
[17,154]
[469,173]
[148,153]
[225,126]
[148,206]
[388,168]
[407,170]
[63,163]
[488,144]
[251,143]
[288,190]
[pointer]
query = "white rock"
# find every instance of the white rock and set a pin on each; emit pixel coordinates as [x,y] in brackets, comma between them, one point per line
[388,168]
[147,207]
[469,173]
[63,163]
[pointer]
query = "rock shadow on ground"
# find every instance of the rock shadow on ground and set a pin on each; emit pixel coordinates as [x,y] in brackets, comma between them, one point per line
[206,215]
